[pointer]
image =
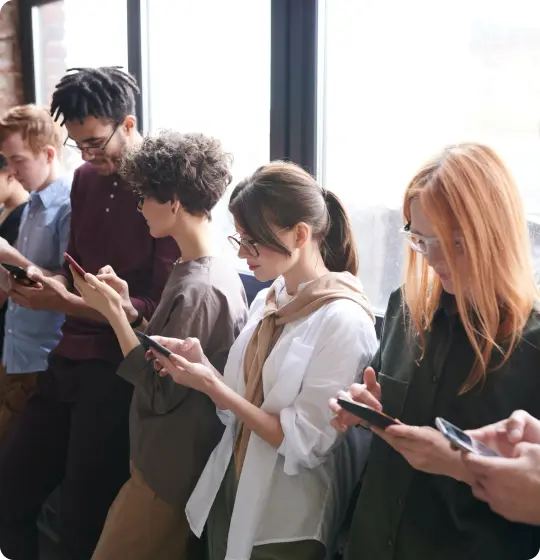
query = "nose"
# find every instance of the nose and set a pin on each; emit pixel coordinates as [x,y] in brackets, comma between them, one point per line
[86,156]
[435,255]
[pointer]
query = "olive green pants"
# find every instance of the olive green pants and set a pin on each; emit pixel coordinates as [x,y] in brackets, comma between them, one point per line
[217,531]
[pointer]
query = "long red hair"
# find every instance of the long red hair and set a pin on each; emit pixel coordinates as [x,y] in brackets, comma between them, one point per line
[467,187]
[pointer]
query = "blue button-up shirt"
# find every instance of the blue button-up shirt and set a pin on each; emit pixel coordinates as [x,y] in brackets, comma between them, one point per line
[43,237]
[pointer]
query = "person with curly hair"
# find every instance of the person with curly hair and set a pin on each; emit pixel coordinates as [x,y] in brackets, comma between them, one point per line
[74,430]
[179,179]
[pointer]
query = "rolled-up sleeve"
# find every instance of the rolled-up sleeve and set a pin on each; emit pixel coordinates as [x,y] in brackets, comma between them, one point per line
[346,344]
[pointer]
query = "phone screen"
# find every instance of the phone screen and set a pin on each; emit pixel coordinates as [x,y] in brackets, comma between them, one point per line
[462,440]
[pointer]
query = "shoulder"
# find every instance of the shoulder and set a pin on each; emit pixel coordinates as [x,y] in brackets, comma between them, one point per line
[213,282]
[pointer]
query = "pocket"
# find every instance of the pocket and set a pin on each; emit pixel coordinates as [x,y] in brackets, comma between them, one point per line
[393,394]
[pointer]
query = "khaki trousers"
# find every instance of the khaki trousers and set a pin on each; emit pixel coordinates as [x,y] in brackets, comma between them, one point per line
[142,526]
[15,390]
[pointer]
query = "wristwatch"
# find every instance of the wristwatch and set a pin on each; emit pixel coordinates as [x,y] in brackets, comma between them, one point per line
[138,321]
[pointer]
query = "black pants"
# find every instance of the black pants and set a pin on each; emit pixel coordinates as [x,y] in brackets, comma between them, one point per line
[74,432]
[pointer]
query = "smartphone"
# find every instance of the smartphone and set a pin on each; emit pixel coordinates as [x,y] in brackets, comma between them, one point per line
[19,274]
[368,414]
[80,270]
[148,342]
[458,438]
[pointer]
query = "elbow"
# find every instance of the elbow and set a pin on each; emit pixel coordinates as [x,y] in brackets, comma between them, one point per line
[304,446]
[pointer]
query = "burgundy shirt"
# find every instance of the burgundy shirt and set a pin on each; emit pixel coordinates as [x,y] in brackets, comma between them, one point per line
[106,228]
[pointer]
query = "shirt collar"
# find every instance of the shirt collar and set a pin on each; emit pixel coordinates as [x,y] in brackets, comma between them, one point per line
[48,194]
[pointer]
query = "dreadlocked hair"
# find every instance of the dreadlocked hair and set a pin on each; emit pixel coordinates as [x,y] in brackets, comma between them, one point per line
[104,93]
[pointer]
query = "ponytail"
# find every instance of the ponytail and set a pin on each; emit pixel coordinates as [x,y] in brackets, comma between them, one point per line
[338,248]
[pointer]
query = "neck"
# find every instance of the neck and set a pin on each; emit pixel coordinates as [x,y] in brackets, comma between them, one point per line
[53,175]
[304,271]
[17,197]
[194,238]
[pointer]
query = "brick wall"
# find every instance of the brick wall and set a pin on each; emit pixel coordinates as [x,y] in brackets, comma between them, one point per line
[11,92]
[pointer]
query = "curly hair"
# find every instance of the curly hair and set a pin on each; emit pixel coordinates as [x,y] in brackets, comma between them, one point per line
[191,168]
[104,93]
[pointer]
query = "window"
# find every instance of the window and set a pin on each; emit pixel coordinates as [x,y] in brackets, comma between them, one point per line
[209,72]
[64,36]
[399,81]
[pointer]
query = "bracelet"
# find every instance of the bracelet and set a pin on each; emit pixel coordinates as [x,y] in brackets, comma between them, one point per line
[138,321]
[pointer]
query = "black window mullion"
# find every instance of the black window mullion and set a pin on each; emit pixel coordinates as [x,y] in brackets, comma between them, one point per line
[293,127]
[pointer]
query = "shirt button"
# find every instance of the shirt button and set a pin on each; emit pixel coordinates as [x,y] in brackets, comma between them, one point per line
[435,378]
[112,195]
[115,184]
[9,331]
[31,215]
[107,210]
[390,542]
[25,239]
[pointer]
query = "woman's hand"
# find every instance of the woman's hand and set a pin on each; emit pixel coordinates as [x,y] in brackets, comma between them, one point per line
[503,436]
[510,486]
[98,295]
[368,393]
[425,449]
[190,349]
[196,375]
[120,286]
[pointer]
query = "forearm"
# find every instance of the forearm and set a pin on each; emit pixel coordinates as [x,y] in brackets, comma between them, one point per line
[75,306]
[124,333]
[10,255]
[266,426]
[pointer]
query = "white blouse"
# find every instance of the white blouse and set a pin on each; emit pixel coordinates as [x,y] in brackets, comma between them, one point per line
[299,491]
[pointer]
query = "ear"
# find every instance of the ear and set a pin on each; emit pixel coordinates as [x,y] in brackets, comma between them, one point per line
[302,234]
[130,125]
[51,154]
[175,206]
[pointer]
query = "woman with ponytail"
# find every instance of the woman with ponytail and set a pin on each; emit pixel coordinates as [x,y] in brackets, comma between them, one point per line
[277,483]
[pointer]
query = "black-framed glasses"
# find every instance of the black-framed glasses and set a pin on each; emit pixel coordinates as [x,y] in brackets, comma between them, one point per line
[91,150]
[250,246]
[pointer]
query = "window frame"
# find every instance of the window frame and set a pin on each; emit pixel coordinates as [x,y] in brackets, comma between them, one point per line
[293,84]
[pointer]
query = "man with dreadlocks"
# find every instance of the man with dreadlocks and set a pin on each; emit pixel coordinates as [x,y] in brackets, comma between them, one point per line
[74,430]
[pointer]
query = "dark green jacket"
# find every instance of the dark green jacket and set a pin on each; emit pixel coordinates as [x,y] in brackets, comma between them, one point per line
[404,514]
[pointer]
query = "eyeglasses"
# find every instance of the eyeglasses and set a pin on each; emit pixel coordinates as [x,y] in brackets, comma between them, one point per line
[422,244]
[140,202]
[250,246]
[91,150]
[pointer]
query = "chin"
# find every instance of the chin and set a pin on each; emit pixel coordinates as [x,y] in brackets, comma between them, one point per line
[104,168]
[448,287]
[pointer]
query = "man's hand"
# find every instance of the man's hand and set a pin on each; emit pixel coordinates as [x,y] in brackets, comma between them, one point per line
[48,294]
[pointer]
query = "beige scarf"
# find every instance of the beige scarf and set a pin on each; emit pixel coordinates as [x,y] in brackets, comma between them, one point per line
[323,290]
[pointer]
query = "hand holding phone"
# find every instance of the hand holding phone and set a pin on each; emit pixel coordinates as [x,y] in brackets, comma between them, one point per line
[458,438]
[78,268]
[367,414]
[19,274]
[148,343]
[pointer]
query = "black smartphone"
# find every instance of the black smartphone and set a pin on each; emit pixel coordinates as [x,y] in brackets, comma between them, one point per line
[368,414]
[458,438]
[19,274]
[148,342]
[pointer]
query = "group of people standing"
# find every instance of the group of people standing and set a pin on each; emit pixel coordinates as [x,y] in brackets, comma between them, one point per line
[234,446]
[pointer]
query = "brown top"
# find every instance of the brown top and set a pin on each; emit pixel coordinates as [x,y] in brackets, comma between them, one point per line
[174,429]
